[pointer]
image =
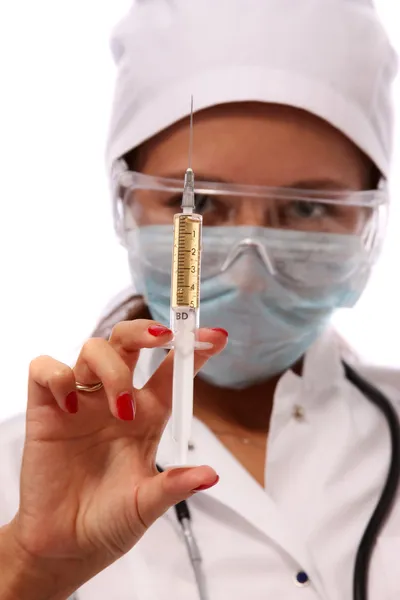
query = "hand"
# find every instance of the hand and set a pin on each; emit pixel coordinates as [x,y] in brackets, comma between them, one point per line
[89,484]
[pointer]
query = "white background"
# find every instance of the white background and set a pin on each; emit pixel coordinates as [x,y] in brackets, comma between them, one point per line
[60,263]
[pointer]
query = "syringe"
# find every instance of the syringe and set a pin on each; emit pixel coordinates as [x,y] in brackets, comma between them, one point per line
[185,308]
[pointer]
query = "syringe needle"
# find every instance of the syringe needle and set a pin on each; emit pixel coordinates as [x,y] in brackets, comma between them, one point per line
[188,199]
[191,135]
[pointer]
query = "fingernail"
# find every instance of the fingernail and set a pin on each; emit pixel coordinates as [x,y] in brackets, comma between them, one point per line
[201,488]
[125,407]
[158,330]
[220,330]
[71,403]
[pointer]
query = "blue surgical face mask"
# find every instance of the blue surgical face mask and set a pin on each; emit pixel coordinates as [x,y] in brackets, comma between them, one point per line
[270,323]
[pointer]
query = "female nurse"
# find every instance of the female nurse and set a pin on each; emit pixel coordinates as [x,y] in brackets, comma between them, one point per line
[292,148]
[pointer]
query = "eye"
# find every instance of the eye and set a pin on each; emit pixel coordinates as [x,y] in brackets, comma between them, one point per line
[213,209]
[203,203]
[306,210]
[174,201]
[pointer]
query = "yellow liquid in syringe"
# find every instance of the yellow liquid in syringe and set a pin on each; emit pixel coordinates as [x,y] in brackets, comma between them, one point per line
[186,261]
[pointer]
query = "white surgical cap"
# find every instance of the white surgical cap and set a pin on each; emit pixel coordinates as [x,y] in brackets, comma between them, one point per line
[331,58]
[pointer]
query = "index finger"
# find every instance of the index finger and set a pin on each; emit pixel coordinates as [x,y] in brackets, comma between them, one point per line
[127,339]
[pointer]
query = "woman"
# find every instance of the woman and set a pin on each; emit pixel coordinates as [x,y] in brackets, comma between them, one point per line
[293,130]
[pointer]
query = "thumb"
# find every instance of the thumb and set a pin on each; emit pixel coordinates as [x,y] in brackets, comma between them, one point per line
[157,494]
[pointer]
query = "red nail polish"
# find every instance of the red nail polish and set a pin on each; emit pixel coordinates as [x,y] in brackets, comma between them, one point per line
[201,488]
[220,330]
[158,330]
[125,407]
[71,403]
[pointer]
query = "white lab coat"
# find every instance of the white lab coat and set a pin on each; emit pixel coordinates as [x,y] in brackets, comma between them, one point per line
[324,475]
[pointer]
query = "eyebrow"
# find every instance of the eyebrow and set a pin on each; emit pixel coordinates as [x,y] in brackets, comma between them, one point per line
[323,183]
[319,184]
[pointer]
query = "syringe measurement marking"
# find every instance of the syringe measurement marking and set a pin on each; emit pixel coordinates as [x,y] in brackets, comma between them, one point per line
[185,284]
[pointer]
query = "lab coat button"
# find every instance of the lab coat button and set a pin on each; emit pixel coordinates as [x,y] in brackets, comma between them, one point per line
[302,579]
[298,413]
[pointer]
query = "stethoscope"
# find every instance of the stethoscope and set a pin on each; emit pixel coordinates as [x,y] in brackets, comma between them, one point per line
[381,512]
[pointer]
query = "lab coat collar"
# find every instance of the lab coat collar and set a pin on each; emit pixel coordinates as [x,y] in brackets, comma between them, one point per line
[237,490]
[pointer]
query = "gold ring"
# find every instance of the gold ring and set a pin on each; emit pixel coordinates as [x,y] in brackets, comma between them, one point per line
[94,387]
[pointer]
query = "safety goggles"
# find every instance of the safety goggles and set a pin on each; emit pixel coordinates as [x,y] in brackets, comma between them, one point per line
[146,200]
[287,228]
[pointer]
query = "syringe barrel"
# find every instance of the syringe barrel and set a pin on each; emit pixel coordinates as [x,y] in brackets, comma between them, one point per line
[184,318]
[186,261]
